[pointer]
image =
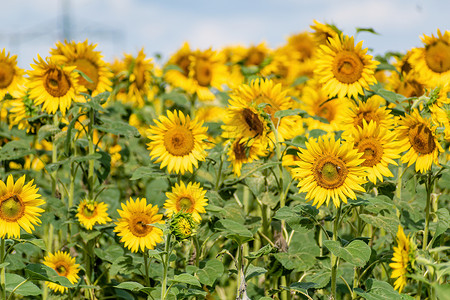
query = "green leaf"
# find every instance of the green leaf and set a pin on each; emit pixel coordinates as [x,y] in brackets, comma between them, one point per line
[443,222]
[356,252]
[380,290]
[371,30]
[177,97]
[234,230]
[148,172]
[388,222]
[302,286]
[42,272]
[87,236]
[300,80]
[442,291]
[14,150]
[187,278]
[254,271]
[267,249]
[212,271]
[27,289]
[289,112]
[321,278]
[131,286]
[300,261]
[47,131]
[117,127]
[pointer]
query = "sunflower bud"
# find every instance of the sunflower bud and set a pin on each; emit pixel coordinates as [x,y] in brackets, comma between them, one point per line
[182,225]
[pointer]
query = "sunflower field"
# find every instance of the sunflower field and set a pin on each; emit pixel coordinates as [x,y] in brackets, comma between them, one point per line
[313,170]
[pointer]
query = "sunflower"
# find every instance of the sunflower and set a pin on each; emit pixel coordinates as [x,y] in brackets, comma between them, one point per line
[304,44]
[53,85]
[11,76]
[441,115]
[343,68]
[284,67]
[419,138]
[178,77]
[187,198]
[182,225]
[65,266]
[20,110]
[19,207]
[432,62]
[90,62]
[252,56]
[242,152]
[91,213]
[328,170]
[322,32]
[379,148]
[134,225]
[178,142]
[403,259]
[370,110]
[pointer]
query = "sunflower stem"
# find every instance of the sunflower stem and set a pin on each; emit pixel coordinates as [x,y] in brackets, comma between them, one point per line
[334,258]
[147,278]
[165,266]
[197,250]
[91,152]
[429,188]
[54,156]
[18,286]
[219,174]
[3,271]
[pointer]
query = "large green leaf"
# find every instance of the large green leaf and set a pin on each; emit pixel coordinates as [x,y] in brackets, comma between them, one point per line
[117,127]
[148,172]
[234,230]
[389,222]
[356,252]
[26,289]
[380,290]
[212,271]
[187,278]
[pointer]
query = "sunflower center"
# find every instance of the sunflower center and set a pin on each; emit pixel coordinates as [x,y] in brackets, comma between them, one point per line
[330,172]
[179,141]
[239,151]
[366,115]
[139,225]
[56,83]
[421,138]
[373,151]
[90,70]
[183,62]
[184,227]
[6,74]
[347,67]
[437,57]
[253,122]
[88,211]
[254,57]
[327,111]
[185,204]
[11,208]
[61,269]
[203,72]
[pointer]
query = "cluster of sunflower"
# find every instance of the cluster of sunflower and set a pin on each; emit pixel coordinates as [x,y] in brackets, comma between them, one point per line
[320,108]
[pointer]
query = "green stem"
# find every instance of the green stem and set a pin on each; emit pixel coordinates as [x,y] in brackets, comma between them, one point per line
[18,286]
[165,266]
[91,152]
[334,259]
[54,157]
[219,174]
[147,278]
[197,250]
[3,271]
[429,187]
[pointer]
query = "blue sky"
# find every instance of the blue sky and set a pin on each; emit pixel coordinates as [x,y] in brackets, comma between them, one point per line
[118,26]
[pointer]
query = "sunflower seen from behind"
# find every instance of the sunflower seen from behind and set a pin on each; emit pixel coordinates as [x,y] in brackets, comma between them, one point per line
[241,152]
[379,147]
[91,212]
[135,225]
[19,207]
[188,198]
[64,265]
[345,69]
[11,76]
[418,137]
[177,142]
[328,170]
[53,84]
[403,259]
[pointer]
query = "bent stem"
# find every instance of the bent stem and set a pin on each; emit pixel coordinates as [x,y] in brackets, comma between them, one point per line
[334,258]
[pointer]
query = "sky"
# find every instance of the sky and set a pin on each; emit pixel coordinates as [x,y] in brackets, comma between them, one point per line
[31,27]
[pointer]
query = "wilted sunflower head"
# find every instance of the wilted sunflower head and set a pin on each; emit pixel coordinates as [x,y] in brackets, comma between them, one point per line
[182,225]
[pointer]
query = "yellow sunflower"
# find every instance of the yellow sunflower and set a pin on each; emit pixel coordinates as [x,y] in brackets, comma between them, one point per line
[91,213]
[304,44]
[53,84]
[178,77]
[343,68]
[285,66]
[379,148]
[242,152]
[20,110]
[370,110]
[251,56]
[177,142]
[19,207]
[322,32]
[90,62]
[134,225]
[328,170]
[432,62]
[64,265]
[188,198]
[403,259]
[11,76]
[419,138]
[441,116]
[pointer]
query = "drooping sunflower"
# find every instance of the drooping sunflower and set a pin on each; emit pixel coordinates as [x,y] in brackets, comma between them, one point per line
[343,68]
[19,111]
[19,207]
[403,259]
[188,198]
[243,152]
[64,265]
[178,142]
[91,213]
[84,57]
[322,32]
[11,76]
[379,148]
[370,110]
[53,84]
[328,170]
[178,77]
[432,62]
[134,225]
[419,138]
